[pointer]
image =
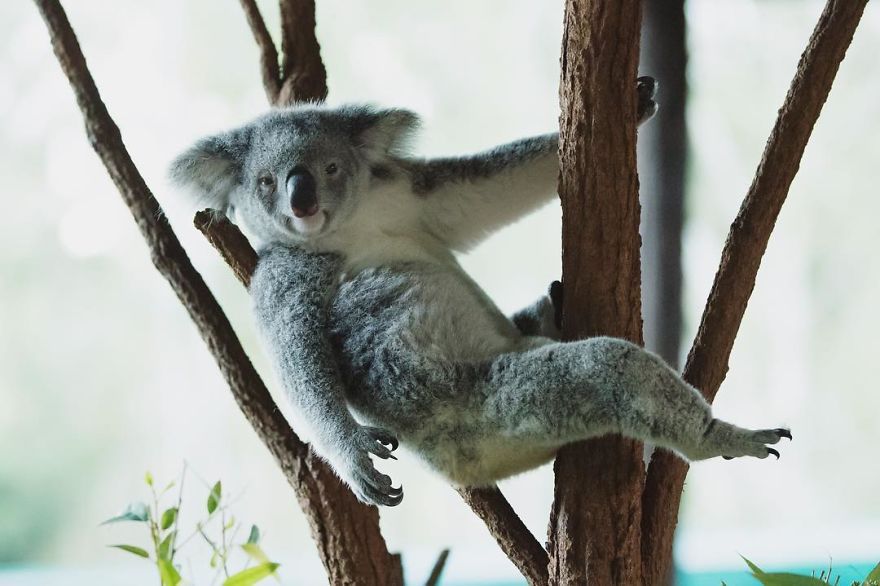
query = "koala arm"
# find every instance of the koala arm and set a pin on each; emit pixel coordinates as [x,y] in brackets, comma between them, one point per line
[467,198]
[544,316]
[291,291]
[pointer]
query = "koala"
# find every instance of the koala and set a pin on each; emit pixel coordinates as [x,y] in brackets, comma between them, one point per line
[377,333]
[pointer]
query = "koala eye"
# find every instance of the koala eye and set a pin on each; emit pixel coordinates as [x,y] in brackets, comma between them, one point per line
[331,169]
[266,182]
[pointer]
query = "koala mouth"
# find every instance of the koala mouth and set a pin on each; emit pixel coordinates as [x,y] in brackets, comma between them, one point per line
[307,225]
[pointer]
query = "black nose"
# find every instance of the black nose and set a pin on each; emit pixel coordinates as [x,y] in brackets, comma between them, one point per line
[302,193]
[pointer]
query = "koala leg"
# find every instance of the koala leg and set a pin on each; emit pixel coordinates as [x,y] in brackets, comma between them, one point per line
[563,392]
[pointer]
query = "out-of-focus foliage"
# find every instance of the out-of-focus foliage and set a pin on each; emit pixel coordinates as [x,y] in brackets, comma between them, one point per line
[218,529]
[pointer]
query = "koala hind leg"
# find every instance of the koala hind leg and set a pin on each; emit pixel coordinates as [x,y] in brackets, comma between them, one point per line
[564,392]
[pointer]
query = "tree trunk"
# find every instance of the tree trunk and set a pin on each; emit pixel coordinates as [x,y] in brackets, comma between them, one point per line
[595,522]
[662,152]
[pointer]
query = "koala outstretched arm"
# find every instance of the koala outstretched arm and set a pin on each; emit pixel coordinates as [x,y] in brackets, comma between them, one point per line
[468,198]
[291,291]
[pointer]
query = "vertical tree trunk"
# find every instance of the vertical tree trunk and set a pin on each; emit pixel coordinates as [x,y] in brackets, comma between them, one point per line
[662,152]
[594,533]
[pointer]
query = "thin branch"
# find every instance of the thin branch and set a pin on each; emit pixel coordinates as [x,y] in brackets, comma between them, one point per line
[268,53]
[707,362]
[511,534]
[303,77]
[437,570]
[228,240]
[346,550]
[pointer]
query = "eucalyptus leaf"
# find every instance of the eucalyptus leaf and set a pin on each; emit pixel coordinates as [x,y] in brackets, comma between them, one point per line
[168,573]
[138,551]
[214,497]
[168,517]
[254,536]
[255,552]
[782,578]
[166,547]
[148,478]
[251,575]
[134,512]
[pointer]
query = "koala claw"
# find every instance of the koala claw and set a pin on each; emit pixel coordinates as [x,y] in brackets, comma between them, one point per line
[773,452]
[555,294]
[646,87]
[370,485]
[782,432]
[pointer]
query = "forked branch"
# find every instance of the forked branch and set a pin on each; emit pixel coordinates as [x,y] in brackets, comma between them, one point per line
[345,531]
[746,243]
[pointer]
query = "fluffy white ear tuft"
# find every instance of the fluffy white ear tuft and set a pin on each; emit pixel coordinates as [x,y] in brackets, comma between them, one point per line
[211,168]
[382,133]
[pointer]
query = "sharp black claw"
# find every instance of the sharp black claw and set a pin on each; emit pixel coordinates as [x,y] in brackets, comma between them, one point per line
[394,444]
[774,452]
[392,456]
[727,457]
[782,432]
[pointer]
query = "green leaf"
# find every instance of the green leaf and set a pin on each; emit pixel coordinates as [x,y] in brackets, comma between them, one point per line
[254,551]
[168,573]
[873,578]
[132,549]
[254,536]
[213,561]
[782,578]
[165,548]
[787,579]
[214,497]
[148,478]
[168,517]
[133,512]
[251,575]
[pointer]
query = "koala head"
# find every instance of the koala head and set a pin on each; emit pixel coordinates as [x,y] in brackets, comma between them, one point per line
[295,173]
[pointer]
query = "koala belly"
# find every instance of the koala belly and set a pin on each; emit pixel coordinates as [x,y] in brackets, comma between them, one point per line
[415,343]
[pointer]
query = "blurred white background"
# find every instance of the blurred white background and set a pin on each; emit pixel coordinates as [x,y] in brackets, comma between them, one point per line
[102,375]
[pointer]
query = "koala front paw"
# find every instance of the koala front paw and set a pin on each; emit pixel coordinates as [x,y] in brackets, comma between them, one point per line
[368,484]
[646,88]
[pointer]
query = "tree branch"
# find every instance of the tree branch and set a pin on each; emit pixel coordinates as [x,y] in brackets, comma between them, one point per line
[594,524]
[268,53]
[514,538]
[707,362]
[303,77]
[437,570]
[346,531]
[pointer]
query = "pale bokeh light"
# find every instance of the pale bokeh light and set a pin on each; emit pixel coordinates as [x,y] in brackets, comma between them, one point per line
[103,376]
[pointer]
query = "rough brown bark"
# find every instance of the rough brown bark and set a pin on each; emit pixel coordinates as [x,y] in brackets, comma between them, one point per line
[268,53]
[595,522]
[303,77]
[746,243]
[345,531]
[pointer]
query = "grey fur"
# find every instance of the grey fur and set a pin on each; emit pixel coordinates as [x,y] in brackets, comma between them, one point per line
[391,330]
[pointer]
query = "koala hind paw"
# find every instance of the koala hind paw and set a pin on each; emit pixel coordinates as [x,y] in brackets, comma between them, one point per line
[728,441]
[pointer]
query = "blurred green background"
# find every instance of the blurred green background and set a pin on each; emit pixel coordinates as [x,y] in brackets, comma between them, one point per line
[102,375]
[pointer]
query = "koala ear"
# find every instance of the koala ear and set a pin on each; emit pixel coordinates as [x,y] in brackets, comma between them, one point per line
[211,168]
[381,133]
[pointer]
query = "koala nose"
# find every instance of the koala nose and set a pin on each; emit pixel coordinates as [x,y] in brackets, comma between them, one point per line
[302,192]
